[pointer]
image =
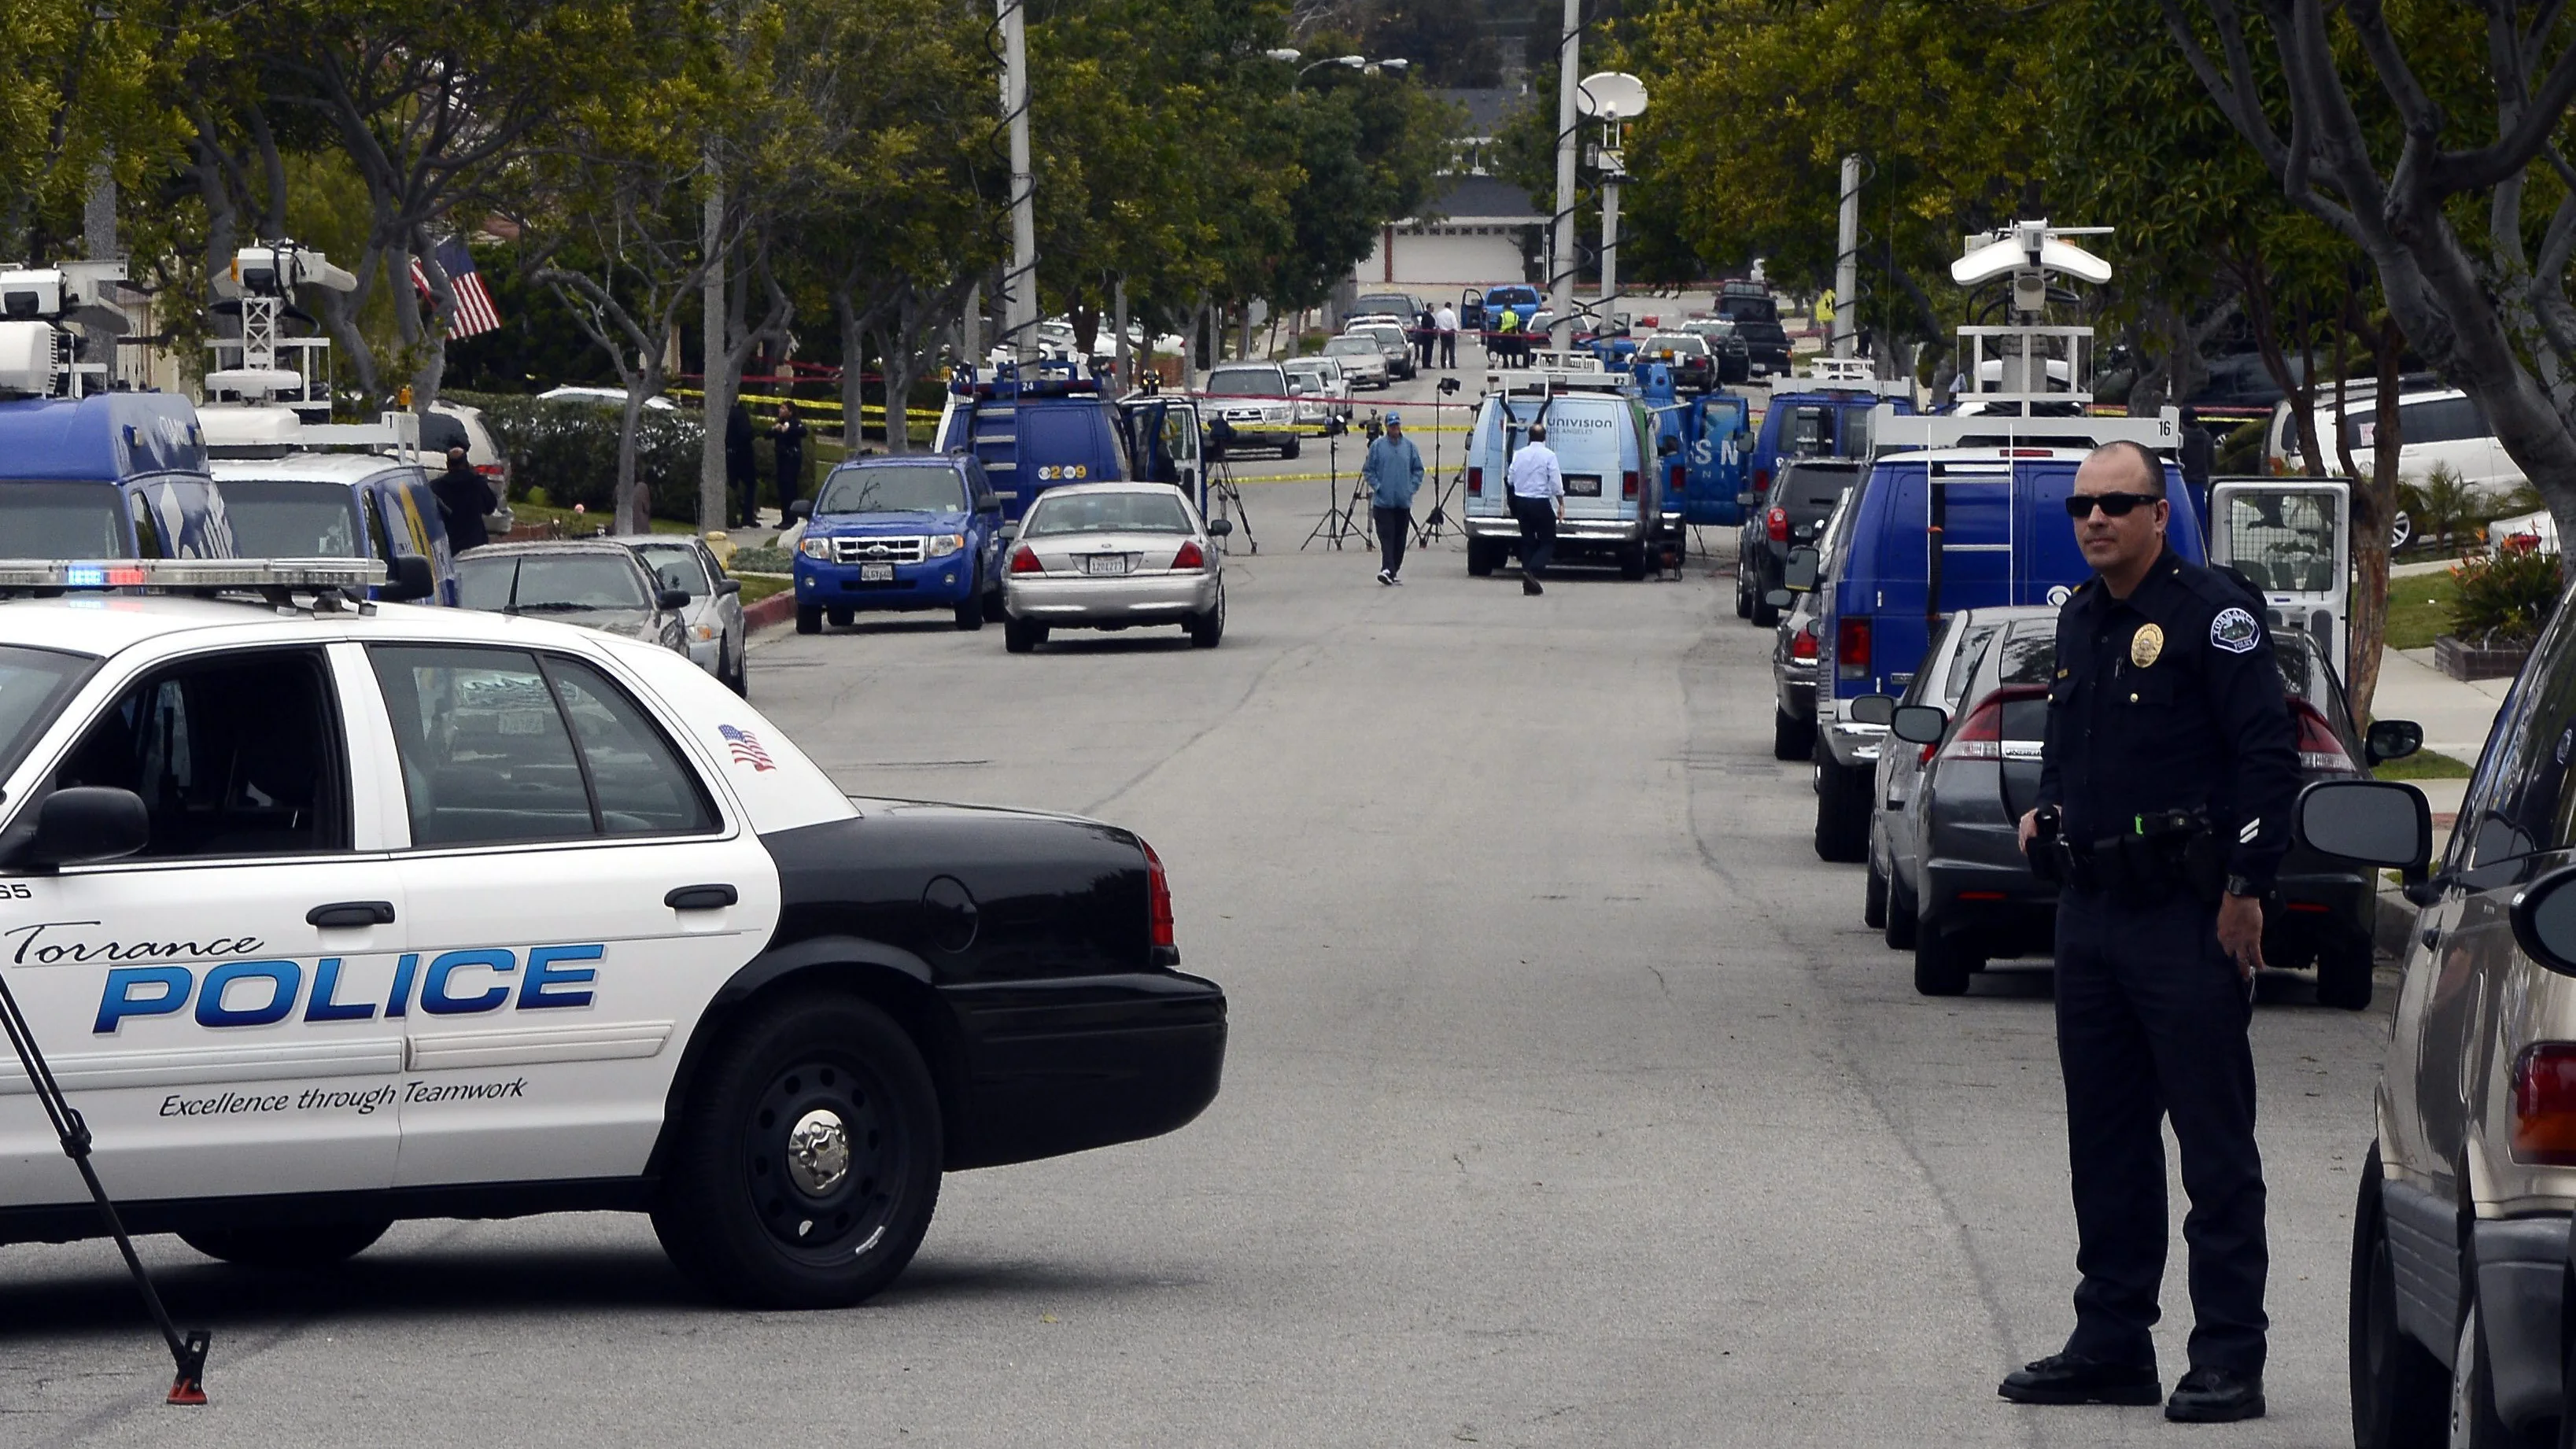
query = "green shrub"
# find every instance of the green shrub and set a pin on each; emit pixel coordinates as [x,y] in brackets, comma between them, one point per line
[2504,597]
[2442,506]
[569,449]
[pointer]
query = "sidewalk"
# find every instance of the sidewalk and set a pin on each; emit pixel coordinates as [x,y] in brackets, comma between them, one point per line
[2455,715]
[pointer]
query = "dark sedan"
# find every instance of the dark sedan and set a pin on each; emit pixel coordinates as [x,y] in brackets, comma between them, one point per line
[1793,512]
[1953,852]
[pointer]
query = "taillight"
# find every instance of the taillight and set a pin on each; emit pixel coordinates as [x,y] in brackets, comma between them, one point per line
[2318,747]
[1024,560]
[1761,480]
[1158,906]
[1628,484]
[1189,556]
[1676,484]
[1778,524]
[1980,736]
[1475,482]
[1802,645]
[1851,648]
[492,470]
[2544,1104]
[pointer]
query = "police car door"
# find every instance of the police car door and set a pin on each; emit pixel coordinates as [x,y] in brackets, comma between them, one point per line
[214,1005]
[579,885]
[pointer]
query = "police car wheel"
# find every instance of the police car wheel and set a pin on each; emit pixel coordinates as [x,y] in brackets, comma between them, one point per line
[295,1245]
[806,1164]
[1288,450]
[809,619]
[1206,629]
[1019,636]
[2400,1396]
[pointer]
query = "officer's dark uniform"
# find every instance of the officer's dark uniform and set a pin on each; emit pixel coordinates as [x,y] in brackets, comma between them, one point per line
[2151,1013]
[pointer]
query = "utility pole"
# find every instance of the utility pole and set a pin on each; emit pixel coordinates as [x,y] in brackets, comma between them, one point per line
[1560,282]
[1020,284]
[1847,258]
[716,388]
[1610,173]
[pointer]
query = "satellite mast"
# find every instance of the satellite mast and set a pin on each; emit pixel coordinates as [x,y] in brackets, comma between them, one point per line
[1613,98]
[2034,362]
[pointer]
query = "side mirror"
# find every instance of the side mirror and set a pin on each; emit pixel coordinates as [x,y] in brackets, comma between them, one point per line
[2371,821]
[1919,724]
[1220,527]
[672,599]
[801,508]
[2391,739]
[409,578]
[730,586]
[1748,500]
[1874,709]
[1799,574]
[84,823]
[2544,920]
[1667,445]
[1779,598]
[1006,534]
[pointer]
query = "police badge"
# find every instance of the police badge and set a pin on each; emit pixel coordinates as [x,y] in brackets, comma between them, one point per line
[2235,631]
[2147,645]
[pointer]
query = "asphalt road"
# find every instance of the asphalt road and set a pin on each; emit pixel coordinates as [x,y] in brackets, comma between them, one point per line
[1568,1103]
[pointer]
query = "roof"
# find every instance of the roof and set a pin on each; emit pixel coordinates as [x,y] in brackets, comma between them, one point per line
[548,546]
[318,467]
[110,435]
[1488,107]
[1483,198]
[1114,485]
[104,624]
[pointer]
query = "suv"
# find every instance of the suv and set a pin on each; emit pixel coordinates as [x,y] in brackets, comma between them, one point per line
[900,533]
[1791,515]
[1249,406]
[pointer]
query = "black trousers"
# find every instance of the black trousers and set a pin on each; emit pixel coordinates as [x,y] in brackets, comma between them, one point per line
[1392,526]
[1537,518]
[1449,349]
[2151,1024]
[791,476]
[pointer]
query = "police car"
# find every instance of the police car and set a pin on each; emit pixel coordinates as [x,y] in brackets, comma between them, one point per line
[326,914]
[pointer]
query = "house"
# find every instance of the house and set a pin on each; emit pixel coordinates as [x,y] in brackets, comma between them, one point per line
[1477,229]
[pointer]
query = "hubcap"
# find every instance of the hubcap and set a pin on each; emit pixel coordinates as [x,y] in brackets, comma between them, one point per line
[822,1156]
[818,1152]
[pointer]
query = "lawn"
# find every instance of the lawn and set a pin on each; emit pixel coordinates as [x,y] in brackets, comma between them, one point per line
[2423,765]
[578,524]
[756,587]
[2419,607]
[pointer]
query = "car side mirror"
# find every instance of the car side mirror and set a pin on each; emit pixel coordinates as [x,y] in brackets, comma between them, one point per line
[673,599]
[2375,822]
[1220,527]
[1873,709]
[2391,739]
[2544,920]
[408,578]
[730,586]
[1748,500]
[1667,445]
[1007,533]
[83,823]
[1919,724]
[801,508]
[1799,574]
[1779,598]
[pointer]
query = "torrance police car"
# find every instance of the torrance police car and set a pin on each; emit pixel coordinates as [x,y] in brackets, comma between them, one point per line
[331,915]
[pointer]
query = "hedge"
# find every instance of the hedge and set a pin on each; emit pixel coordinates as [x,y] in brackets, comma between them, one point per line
[569,449]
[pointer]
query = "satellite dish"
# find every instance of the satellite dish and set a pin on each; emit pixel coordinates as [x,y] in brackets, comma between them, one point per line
[1611,95]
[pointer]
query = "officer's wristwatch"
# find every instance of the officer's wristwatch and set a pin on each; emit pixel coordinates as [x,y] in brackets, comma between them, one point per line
[2238,885]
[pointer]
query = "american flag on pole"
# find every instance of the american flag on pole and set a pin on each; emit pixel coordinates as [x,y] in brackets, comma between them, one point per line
[746,748]
[475,313]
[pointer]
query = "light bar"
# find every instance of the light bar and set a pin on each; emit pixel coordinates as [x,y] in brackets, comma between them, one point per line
[192,573]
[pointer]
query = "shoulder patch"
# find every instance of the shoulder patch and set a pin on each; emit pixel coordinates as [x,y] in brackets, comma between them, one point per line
[2235,631]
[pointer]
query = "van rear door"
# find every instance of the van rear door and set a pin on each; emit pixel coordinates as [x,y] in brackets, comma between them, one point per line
[1587,434]
[2292,537]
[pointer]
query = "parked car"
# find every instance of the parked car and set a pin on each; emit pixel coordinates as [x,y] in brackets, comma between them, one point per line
[111,475]
[1803,495]
[1323,389]
[1393,341]
[902,533]
[1404,307]
[1953,657]
[1744,300]
[1797,648]
[1766,346]
[342,505]
[1488,307]
[592,583]
[1247,405]
[1115,556]
[1726,343]
[1362,360]
[719,641]
[2438,427]
[1609,449]
[607,397]
[1686,353]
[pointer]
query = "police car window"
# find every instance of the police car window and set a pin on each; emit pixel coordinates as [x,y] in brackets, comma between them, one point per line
[1156,512]
[61,520]
[641,784]
[239,754]
[33,685]
[486,755]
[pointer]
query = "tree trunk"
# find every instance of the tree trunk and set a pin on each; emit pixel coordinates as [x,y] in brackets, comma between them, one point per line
[634,509]
[715,382]
[2374,506]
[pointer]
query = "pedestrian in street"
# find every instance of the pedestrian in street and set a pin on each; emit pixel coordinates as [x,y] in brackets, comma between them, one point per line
[787,437]
[2198,456]
[1507,332]
[1393,472]
[463,498]
[1448,323]
[2167,773]
[742,470]
[1426,331]
[1537,487]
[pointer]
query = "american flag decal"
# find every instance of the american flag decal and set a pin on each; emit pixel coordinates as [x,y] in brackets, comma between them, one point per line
[746,748]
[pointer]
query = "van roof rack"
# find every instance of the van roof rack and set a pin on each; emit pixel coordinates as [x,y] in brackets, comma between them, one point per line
[332,584]
[1895,432]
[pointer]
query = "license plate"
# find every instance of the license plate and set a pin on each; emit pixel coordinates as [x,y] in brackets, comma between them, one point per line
[876,573]
[1583,485]
[523,722]
[1105,563]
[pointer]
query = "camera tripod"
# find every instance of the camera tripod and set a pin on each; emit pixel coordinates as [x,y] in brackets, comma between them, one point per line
[1341,520]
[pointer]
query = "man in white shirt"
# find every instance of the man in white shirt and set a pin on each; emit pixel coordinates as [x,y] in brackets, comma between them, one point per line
[1448,336]
[1537,492]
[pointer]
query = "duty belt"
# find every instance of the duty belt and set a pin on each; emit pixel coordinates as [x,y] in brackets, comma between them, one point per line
[2165,854]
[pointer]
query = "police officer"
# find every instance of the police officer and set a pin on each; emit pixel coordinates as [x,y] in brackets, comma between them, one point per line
[2168,774]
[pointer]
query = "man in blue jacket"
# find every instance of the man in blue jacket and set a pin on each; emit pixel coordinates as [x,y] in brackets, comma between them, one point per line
[1393,471]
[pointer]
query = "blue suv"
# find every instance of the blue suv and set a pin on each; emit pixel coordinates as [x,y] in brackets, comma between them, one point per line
[900,533]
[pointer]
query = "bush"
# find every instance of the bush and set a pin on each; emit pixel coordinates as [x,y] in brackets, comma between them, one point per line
[2442,506]
[569,449]
[2504,597]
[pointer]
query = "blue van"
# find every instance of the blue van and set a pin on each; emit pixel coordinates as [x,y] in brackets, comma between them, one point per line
[1816,423]
[1608,447]
[1930,533]
[116,475]
[343,505]
[1711,437]
[900,533]
[1032,427]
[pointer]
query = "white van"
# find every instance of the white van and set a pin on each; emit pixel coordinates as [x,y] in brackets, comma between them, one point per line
[1605,443]
[2437,426]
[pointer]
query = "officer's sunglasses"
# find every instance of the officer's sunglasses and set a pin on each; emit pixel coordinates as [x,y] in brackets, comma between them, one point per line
[2080,505]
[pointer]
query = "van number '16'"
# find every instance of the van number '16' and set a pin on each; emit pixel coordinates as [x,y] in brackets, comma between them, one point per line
[263,993]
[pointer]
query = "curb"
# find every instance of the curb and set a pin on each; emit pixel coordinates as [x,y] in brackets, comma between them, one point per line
[778,608]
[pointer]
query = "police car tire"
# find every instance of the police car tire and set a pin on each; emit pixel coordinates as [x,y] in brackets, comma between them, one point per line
[1288,449]
[1942,965]
[1904,914]
[728,1215]
[2344,974]
[1208,628]
[2400,1395]
[289,1246]
[1873,897]
[1842,812]
[809,618]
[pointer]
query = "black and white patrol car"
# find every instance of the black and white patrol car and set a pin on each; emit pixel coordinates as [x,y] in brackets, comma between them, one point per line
[330,915]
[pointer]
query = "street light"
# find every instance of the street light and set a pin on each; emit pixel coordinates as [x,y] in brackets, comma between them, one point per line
[1351,62]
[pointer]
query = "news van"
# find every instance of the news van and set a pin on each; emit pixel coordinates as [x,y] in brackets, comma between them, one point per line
[1606,444]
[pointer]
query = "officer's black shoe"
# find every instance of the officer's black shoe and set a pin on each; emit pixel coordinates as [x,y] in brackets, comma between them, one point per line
[2071,1378]
[2216,1396]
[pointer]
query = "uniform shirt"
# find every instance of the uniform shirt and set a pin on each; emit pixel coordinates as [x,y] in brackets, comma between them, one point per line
[1534,473]
[2188,716]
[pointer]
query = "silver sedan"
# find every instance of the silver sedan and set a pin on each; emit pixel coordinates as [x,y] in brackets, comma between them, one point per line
[1112,556]
[718,638]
